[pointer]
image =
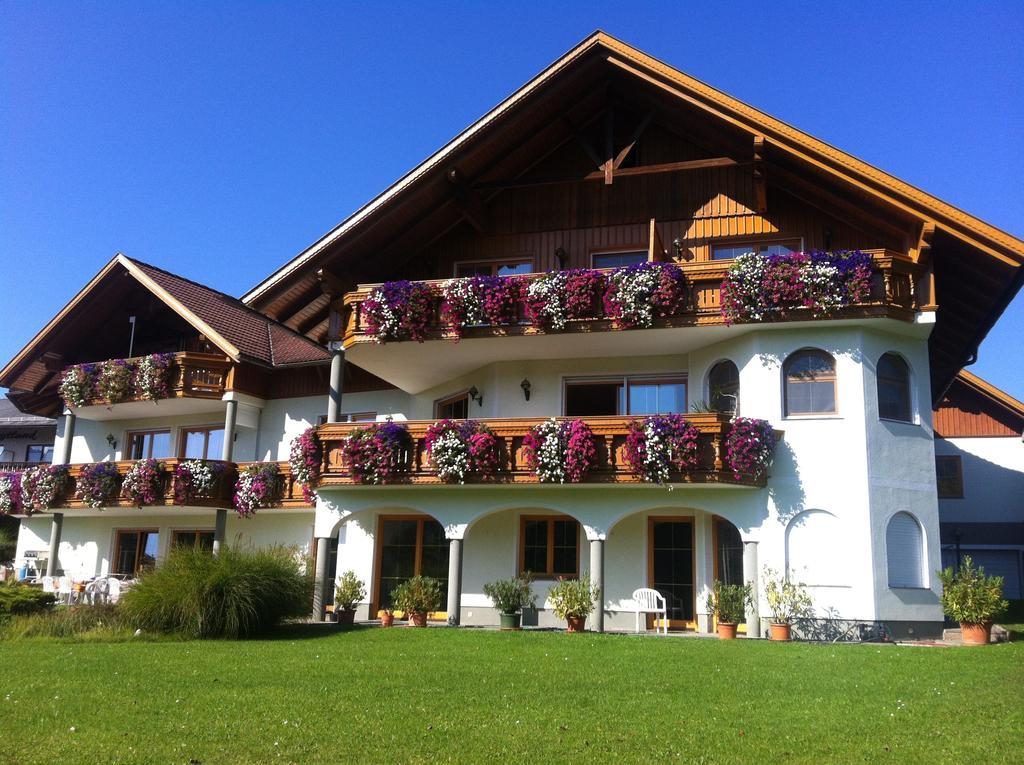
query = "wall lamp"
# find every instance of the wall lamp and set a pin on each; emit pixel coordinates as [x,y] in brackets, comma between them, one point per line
[677,245]
[561,256]
[476,395]
[525,385]
[111,440]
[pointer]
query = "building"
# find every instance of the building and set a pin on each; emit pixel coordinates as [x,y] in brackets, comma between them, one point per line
[608,159]
[25,439]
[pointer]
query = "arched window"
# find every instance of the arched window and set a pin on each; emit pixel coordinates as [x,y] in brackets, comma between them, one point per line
[810,383]
[724,387]
[904,551]
[893,388]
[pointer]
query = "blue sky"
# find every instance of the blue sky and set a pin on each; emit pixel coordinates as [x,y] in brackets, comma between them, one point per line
[218,140]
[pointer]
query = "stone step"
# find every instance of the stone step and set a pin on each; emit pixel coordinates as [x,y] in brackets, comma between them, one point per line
[954,636]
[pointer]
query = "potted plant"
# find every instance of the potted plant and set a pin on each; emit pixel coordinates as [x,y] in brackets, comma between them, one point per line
[510,597]
[349,591]
[573,600]
[973,599]
[788,601]
[416,597]
[728,603]
[387,616]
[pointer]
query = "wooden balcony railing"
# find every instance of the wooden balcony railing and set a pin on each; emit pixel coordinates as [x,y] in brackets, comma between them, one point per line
[219,497]
[191,375]
[609,440]
[17,467]
[894,293]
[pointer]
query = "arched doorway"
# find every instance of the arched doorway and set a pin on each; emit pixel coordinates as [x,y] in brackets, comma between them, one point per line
[407,545]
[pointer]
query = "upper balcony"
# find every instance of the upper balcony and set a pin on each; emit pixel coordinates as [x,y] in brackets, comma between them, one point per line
[181,383]
[609,464]
[696,318]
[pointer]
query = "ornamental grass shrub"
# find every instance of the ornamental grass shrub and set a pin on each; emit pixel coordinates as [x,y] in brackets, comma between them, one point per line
[99,622]
[238,593]
[16,598]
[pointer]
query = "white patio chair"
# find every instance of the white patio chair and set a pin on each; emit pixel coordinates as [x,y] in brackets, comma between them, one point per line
[49,584]
[113,589]
[650,601]
[64,590]
[97,590]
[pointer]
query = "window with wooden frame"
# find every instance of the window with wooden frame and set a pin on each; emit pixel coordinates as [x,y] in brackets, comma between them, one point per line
[617,259]
[949,476]
[452,408]
[498,267]
[204,443]
[39,453]
[200,538]
[810,383]
[408,546]
[893,383]
[549,546]
[135,550]
[148,444]
[730,250]
[639,395]
[352,417]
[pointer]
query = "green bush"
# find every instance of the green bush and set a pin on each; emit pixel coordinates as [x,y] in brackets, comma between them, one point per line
[18,598]
[511,595]
[572,597]
[728,602]
[970,597]
[349,591]
[238,593]
[82,621]
[420,594]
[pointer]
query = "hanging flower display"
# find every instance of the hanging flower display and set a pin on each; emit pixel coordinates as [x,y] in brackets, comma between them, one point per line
[479,300]
[560,451]
[257,486]
[399,310]
[98,484]
[151,378]
[757,286]
[637,295]
[660,445]
[114,380]
[553,299]
[143,482]
[78,384]
[305,456]
[196,479]
[378,453]
[10,493]
[458,448]
[749,446]
[43,486]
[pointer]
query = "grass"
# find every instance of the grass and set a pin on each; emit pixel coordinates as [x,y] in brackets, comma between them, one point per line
[403,695]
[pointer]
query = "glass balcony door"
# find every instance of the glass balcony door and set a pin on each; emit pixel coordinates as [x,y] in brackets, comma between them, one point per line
[409,546]
[671,566]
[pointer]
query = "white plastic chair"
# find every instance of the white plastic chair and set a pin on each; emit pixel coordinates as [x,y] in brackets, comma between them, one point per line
[113,590]
[650,601]
[97,590]
[64,590]
[49,585]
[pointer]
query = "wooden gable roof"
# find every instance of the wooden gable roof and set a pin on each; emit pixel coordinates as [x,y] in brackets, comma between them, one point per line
[974,408]
[978,267]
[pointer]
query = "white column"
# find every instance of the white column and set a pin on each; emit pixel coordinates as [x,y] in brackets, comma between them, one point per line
[64,457]
[750,576]
[337,383]
[230,415]
[220,527]
[320,583]
[597,580]
[56,526]
[454,582]
[705,574]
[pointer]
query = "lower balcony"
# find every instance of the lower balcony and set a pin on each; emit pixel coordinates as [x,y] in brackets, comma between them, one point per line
[609,464]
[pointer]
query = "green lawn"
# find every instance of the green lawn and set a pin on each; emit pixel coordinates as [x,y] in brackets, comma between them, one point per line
[471,696]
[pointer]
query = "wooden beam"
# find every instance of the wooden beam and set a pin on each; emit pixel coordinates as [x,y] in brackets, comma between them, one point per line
[609,151]
[760,187]
[582,141]
[330,283]
[468,201]
[920,251]
[668,167]
[621,156]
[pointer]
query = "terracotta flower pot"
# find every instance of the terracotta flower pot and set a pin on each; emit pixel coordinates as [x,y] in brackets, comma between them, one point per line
[727,630]
[417,618]
[387,619]
[976,634]
[575,623]
[346,617]
[510,622]
[781,632]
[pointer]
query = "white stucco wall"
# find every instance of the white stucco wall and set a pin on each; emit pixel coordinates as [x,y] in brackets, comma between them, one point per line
[993,472]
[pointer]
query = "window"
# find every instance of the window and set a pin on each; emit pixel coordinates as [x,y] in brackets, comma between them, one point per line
[618,259]
[734,250]
[625,395]
[724,387]
[193,538]
[453,408]
[949,476]
[409,546]
[39,453]
[202,443]
[150,444]
[353,417]
[904,551]
[135,551]
[494,268]
[549,547]
[810,377]
[893,378]
[728,553]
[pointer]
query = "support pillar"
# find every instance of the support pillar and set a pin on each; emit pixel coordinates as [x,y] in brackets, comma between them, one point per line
[337,382]
[220,530]
[56,526]
[320,583]
[751,577]
[64,457]
[597,581]
[454,582]
[230,415]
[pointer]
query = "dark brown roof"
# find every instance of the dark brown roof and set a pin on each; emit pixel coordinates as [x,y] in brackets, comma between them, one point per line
[254,335]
